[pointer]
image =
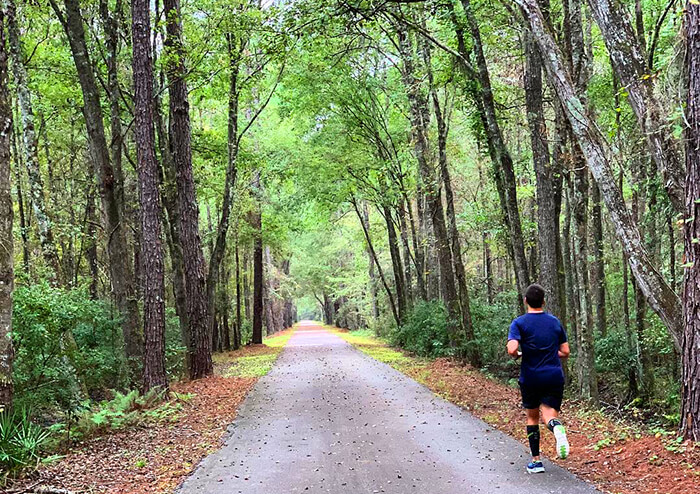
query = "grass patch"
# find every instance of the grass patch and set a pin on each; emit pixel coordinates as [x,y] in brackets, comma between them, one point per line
[377,348]
[253,360]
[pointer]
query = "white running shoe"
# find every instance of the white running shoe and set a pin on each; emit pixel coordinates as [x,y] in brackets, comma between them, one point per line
[562,441]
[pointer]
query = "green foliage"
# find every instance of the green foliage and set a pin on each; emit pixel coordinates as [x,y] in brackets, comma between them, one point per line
[425,331]
[21,443]
[491,323]
[66,344]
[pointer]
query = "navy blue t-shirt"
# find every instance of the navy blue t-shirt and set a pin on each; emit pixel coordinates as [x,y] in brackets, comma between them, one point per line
[540,334]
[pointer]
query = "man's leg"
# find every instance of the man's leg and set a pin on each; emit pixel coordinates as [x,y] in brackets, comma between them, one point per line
[533,432]
[551,418]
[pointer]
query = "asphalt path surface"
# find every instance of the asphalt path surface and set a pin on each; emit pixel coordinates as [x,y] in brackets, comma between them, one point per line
[329,419]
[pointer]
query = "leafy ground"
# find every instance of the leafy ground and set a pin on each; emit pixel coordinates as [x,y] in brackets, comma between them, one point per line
[617,456]
[157,453]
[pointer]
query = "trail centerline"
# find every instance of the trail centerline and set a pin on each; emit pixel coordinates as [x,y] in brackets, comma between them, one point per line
[329,419]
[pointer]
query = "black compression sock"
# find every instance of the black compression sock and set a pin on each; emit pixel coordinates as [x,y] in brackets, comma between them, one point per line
[533,437]
[552,424]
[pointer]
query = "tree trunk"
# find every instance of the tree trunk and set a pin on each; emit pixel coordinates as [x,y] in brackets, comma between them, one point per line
[7,277]
[660,296]
[690,407]
[23,228]
[627,57]
[154,374]
[30,143]
[237,330]
[471,351]
[193,256]
[420,118]
[372,273]
[598,268]
[547,207]
[399,282]
[257,263]
[365,230]
[121,270]
[408,278]
[501,154]
[217,255]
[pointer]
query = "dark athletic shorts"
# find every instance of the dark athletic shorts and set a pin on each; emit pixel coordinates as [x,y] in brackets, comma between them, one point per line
[534,396]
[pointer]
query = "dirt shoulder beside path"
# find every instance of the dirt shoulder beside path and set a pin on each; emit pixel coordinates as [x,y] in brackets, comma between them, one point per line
[618,458]
[155,455]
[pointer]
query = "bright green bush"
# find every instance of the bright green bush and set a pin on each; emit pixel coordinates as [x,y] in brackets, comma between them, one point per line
[68,348]
[425,331]
[491,324]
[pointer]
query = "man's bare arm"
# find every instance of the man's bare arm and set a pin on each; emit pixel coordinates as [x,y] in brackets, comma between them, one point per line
[513,348]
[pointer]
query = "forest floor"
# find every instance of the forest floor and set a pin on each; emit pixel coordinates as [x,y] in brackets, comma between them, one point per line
[157,453]
[615,455]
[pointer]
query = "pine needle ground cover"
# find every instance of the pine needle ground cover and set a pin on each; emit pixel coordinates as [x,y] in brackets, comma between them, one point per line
[618,456]
[153,456]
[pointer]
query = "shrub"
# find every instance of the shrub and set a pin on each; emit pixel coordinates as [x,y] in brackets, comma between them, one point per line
[68,348]
[491,324]
[21,443]
[425,331]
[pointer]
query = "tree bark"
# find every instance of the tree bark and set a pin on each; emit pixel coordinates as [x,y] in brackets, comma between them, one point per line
[598,268]
[471,351]
[6,239]
[627,57]
[370,246]
[235,49]
[23,228]
[121,271]
[30,143]
[659,295]
[501,154]
[548,208]
[193,255]
[690,406]
[257,263]
[239,321]
[372,273]
[399,281]
[154,374]
[420,118]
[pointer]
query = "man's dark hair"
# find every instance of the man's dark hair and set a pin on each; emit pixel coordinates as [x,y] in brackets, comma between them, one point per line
[534,296]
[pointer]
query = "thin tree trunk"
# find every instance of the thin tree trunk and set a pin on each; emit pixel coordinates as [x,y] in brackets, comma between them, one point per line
[547,210]
[472,352]
[193,255]
[257,263]
[598,268]
[503,158]
[239,321]
[372,273]
[23,228]
[660,296]
[408,278]
[6,243]
[30,143]
[121,270]
[399,282]
[390,296]
[154,374]
[219,249]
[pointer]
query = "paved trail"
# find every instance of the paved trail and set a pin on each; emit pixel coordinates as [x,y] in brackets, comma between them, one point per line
[328,419]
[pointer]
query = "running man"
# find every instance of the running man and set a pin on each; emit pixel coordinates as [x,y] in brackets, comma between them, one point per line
[542,341]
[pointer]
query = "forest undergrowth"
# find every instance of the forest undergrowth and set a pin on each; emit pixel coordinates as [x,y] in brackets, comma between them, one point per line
[613,450]
[160,445]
